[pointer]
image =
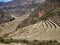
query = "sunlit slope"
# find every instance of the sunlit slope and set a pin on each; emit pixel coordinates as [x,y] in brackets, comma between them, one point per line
[42,30]
[11,26]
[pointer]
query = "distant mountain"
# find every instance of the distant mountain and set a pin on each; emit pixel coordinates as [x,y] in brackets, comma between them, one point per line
[17,8]
[2,3]
[21,7]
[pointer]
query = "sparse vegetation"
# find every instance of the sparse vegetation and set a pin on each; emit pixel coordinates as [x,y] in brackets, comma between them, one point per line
[27,42]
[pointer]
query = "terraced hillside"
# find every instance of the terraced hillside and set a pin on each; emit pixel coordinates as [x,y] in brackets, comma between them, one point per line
[39,26]
[49,10]
[42,24]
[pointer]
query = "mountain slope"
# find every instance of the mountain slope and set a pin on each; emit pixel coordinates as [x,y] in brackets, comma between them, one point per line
[21,7]
[39,31]
[9,27]
[42,24]
[41,13]
[48,24]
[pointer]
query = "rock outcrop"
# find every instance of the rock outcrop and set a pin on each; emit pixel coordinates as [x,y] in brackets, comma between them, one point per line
[4,17]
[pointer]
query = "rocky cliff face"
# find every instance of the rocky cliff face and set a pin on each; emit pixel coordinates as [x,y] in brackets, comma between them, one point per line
[5,17]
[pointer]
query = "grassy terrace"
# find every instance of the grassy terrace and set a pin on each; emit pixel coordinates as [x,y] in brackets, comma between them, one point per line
[53,15]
